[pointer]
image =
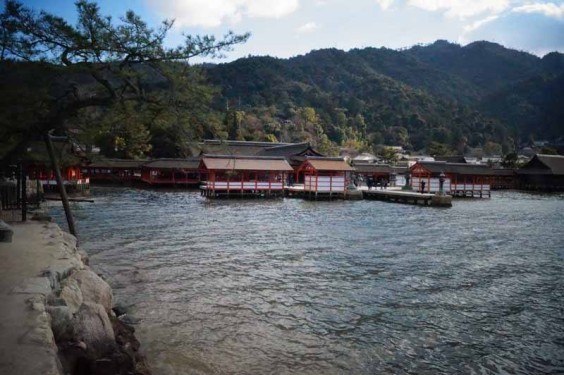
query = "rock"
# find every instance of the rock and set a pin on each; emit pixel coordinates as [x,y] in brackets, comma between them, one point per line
[93,327]
[119,309]
[53,300]
[125,336]
[81,345]
[118,363]
[84,257]
[61,323]
[37,303]
[38,306]
[94,288]
[128,319]
[71,294]
[69,239]
[40,334]
[73,357]
[61,270]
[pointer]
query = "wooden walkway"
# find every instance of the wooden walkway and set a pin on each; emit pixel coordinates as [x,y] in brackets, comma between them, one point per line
[409,197]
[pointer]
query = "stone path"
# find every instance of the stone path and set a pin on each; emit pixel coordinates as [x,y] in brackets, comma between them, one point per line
[27,345]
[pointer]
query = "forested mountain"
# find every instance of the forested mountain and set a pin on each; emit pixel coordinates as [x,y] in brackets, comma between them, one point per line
[472,96]
[440,98]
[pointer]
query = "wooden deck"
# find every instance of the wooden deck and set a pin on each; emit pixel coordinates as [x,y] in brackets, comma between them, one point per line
[408,197]
[300,191]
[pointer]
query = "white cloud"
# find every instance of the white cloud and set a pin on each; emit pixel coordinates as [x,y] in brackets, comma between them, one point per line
[385,4]
[307,28]
[270,8]
[477,24]
[462,8]
[212,13]
[548,9]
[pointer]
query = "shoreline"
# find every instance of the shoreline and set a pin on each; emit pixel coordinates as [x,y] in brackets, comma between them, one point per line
[57,311]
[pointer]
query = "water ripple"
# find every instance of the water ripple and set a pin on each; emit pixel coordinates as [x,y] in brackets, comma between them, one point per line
[289,286]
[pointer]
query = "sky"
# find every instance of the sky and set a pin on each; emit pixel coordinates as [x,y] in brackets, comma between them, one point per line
[286,28]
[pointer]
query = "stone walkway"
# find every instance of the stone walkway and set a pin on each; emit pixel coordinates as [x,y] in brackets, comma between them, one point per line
[27,345]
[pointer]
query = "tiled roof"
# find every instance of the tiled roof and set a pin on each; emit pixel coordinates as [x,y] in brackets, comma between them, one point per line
[544,164]
[248,163]
[456,168]
[189,163]
[117,163]
[329,164]
[243,148]
[372,168]
[288,150]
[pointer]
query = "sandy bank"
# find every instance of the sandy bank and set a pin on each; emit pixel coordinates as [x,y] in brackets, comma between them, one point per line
[56,314]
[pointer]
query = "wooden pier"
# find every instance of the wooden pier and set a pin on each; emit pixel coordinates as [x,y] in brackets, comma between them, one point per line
[409,197]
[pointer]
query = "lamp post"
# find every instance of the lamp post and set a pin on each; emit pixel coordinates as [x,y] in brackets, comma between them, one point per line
[442,183]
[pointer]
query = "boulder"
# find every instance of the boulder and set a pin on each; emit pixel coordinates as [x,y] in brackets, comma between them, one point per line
[93,327]
[94,288]
[61,269]
[71,294]
[61,323]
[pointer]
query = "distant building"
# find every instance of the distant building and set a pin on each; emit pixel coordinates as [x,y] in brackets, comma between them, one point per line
[325,175]
[413,159]
[451,159]
[365,157]
[235,148]
[461,179]
[294,153]
[225,175]
[118,171]
[542,172]
[171,172]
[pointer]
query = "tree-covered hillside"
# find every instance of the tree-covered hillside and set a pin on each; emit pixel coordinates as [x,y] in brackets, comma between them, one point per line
[460,97]
[440,98]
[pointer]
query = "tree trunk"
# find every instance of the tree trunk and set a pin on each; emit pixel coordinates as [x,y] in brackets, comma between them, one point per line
[61,185]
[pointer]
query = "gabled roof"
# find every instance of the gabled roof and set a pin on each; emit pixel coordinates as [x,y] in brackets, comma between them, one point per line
[245,163]
[117,163]
[291,149]
[188,163]
[544,164]
[244,148]
[372,168]
[455,168]
[328,164]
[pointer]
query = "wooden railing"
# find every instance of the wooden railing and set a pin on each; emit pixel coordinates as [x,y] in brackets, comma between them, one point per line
[242,185]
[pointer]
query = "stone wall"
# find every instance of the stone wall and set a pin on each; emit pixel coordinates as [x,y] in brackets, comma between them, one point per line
[90,337]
